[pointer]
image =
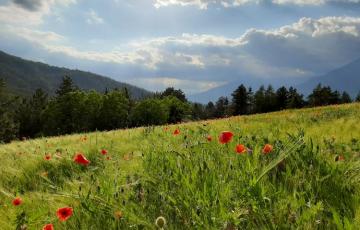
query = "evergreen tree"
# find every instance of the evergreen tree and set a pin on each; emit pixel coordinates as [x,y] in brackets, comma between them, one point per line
[66,86]
[210,110]
[29,114]
[240,101]
[357,99]
[259,100]
[270,99]
[8,126]
[323,96]
[221,107]
[295,100]
[345,98]
[282,96]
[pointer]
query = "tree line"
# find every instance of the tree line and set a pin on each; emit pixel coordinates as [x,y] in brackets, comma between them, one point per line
[72,110]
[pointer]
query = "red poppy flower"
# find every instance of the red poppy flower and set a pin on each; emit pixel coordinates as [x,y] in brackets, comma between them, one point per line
[339,158]
[48,227]
[47,157]
[225,137]
[104,152]
[209,138]
[64,213]
[81,159]
[177,132]
[17,201]
[267,149]
[240,149]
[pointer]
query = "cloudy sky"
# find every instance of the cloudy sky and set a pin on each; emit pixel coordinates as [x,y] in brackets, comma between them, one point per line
[195,45]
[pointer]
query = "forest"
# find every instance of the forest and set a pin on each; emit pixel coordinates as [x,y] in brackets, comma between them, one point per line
[72,110]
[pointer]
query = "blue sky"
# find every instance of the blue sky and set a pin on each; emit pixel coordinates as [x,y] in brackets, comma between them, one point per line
[195,45]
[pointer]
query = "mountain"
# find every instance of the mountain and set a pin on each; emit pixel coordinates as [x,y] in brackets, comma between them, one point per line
[24,77]
[346,78]
[229,88]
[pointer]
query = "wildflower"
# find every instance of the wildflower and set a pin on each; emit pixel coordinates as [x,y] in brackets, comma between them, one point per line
[81,159]
[47,157]
[177,132]
[209,138]
[104,152]
[225,137]
[48,227]
[240,149]
[118,214]
[267,149]
[17,201]
[339,158]
[64,213]
[160,222]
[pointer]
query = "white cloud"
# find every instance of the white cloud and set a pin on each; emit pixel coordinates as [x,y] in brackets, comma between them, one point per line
[93,18]
[190,86]
[27,13]
[307,47]
[203,4]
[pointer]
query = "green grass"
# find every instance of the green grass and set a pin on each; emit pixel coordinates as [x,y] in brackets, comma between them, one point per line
[193,183]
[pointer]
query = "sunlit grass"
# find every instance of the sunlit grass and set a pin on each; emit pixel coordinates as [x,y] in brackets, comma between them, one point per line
[193,183]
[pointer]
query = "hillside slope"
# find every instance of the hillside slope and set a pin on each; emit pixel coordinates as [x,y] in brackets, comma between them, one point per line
[307,181]
[24,77]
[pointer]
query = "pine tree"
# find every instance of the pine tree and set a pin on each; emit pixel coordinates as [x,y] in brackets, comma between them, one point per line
[282,95]
[345,98]
[240,101]
[295,100]
[357,99]
[259,100]
[221,107]
[66,87]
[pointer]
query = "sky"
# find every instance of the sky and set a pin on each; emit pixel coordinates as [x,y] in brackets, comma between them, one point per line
[195,45]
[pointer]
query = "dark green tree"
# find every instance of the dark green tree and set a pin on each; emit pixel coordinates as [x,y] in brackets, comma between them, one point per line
[259,100]
[149,112]
[66,86]
[210,110]
[282,95]
[345,98]
[198,111]
[240,101]
[115,111]
[357,99]
[177,109]
[178,93]
[29,114]
[8,126]
[221,107]
[295,100]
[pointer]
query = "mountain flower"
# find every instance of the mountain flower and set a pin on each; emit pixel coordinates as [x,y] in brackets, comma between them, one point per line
[64,213]
[267,149]
[225,137]
[240,149]
[81,159]
[17,201]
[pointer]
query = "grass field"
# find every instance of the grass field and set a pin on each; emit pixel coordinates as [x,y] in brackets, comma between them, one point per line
[310,180]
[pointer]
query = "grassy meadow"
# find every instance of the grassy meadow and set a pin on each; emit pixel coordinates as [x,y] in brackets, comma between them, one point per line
[311,179]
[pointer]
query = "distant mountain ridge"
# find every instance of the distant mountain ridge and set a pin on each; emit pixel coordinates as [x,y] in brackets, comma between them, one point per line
[24,77]
[345,78]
